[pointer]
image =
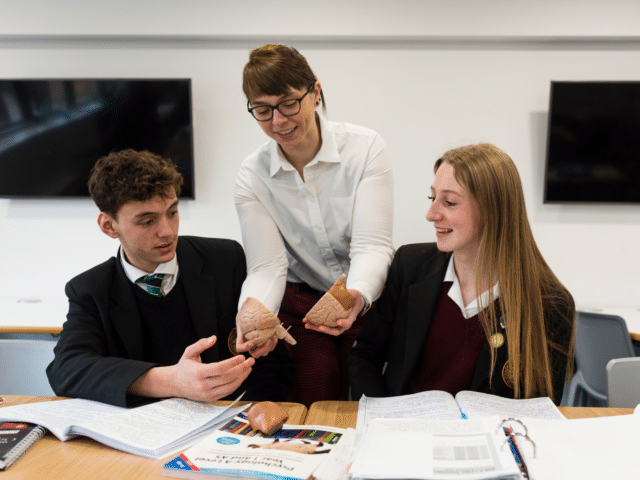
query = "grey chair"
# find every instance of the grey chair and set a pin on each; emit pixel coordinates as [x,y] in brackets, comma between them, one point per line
[23,366]
[623,382]
[599,338]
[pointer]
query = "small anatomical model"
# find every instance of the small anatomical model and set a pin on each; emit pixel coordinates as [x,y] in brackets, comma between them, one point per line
[335,304]
[268,417]
[258,323]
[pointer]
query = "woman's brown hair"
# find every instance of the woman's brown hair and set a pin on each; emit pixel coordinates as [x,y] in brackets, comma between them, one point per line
[273,69]
[508,253]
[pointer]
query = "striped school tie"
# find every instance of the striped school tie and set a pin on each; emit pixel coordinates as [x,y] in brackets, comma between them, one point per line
[152,282]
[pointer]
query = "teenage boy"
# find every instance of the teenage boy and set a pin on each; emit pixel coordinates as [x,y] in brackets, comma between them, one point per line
[158,320]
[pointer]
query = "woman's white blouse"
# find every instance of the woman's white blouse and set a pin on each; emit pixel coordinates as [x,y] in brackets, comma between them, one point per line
[338,220]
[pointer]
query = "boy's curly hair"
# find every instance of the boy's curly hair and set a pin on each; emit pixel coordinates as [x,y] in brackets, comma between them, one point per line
[127,175]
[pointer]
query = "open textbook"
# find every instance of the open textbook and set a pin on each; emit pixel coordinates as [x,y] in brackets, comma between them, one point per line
[438,405]
[296,452]
[399,448]
[154,430]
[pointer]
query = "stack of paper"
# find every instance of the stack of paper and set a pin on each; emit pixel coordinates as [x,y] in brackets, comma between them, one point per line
[435,449]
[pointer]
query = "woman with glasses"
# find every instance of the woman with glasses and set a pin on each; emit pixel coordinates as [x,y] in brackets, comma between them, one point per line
[479,309]
[314,202]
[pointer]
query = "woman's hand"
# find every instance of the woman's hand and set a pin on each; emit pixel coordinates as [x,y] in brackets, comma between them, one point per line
[244,345]
[344,324]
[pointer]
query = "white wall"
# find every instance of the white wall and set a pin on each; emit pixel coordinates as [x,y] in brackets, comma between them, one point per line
[427,75]
[523,18]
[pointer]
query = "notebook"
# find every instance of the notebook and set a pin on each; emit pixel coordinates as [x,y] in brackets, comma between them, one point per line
[15,439]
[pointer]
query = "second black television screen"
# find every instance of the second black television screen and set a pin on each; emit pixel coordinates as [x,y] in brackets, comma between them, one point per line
[593,152]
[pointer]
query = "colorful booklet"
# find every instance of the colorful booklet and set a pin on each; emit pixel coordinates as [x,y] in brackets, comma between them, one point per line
[15,439]
[237,451]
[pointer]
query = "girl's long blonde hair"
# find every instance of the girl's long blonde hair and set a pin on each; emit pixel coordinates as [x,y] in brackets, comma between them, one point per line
[509,253]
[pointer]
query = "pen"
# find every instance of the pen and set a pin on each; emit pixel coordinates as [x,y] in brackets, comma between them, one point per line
[516,451]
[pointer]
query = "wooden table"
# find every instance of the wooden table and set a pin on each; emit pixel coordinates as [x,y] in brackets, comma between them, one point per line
[345,414]
[83,458]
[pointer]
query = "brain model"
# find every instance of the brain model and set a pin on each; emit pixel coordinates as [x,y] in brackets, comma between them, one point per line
[335,304]
[258,323]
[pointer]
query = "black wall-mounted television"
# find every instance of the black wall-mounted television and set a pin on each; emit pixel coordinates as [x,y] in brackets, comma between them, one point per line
[593,148]
[53,131]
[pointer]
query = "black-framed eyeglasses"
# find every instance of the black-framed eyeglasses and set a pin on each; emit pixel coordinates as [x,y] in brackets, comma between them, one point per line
[288,108]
